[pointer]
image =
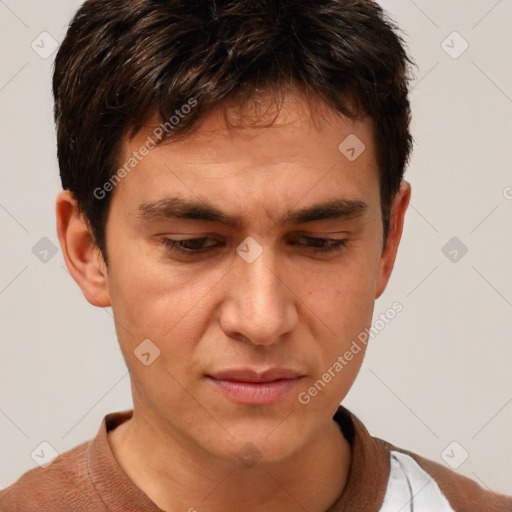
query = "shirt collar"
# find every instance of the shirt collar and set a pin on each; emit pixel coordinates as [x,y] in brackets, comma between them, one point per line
[364,490]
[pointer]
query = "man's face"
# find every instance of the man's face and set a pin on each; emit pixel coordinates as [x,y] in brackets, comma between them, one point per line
[287,302]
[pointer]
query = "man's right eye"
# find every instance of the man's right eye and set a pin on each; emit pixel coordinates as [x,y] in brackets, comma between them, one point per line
[190,245]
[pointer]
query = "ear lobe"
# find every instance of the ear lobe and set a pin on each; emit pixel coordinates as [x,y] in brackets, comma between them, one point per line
[81,254]
[396,224]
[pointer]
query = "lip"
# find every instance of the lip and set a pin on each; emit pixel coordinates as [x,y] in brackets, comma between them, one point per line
[246,386]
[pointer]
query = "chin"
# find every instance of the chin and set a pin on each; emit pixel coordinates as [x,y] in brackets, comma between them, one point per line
[266,441]
[254,451]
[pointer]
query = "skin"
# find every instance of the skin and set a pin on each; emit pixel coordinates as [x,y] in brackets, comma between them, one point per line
[293,307]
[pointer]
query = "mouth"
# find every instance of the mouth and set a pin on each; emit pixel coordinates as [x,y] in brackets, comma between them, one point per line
[246,386]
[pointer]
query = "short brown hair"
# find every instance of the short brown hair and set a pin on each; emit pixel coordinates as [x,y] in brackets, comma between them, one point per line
[124,61]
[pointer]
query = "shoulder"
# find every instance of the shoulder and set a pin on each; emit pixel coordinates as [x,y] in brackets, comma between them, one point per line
[428,483]
[63,485]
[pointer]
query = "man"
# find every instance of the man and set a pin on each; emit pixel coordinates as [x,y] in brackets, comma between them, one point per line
[233,189]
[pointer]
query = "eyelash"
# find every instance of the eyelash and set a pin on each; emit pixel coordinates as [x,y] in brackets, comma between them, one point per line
[333,245]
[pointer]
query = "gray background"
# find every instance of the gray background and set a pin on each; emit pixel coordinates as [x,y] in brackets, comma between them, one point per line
[438,373]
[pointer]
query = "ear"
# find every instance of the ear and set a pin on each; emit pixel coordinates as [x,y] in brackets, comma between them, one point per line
[396,224]
[81,254]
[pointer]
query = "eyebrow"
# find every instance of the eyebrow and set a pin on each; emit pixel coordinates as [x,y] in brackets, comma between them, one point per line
[180,208]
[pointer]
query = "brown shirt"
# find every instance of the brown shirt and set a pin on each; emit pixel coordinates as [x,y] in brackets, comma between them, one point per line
[382,478]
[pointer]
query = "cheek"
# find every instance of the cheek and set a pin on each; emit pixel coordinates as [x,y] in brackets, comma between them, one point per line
[152,298]
[160,307]
[344,296]
[347,314]
[148,297]
[342,306]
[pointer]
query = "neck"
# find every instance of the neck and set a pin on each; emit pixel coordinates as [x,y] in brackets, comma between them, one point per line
[178,476]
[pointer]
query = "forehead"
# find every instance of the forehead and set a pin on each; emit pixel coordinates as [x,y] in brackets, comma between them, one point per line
[262,152]
[279,114]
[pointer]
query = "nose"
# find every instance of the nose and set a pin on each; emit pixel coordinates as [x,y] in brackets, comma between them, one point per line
[260,305]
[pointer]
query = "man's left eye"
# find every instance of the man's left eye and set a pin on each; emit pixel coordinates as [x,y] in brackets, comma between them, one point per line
[324,245]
